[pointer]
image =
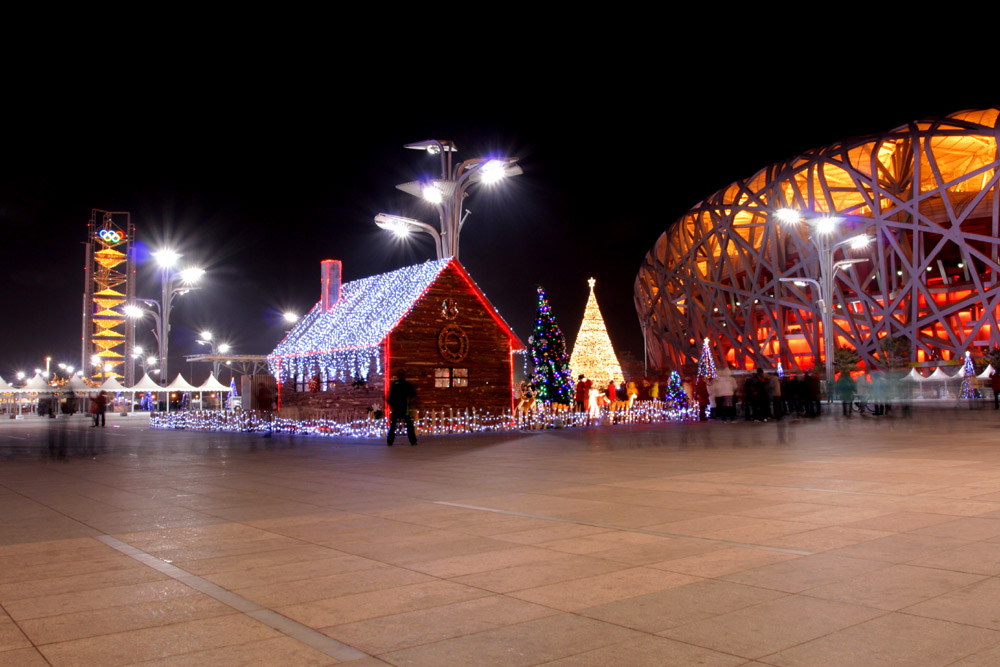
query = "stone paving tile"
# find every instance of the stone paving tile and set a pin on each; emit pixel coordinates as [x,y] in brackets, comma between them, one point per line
[975,604]
[160,642]
[649,652]
[824,539]
[766,628]
[424,626]
[531,575]
[11,637]
[893,640]
[22,657]
[800,574]
[283,593]
[895,587]
[122,618]
[901,548]
[372,604]
[102,598]
[721,560]
[602,588]
[655,612]
[975,558]
[277,651]
[528,643]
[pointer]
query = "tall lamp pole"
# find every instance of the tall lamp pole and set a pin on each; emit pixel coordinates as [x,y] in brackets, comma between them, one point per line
[821,230]
[447,194]
[172,283]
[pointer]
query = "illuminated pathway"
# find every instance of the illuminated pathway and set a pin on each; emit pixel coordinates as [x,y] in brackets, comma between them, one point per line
[822,543]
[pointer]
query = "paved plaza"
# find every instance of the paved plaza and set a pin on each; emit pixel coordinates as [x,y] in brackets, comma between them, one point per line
[830,542]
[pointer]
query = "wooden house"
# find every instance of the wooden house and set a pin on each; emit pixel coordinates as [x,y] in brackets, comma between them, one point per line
[429,321]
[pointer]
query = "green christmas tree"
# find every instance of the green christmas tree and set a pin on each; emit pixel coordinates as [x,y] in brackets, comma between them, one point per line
[551,378]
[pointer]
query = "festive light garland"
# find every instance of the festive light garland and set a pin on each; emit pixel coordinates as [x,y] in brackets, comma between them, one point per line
[426,423]
[968,375]
[344,343]
[551,377]
[593,355]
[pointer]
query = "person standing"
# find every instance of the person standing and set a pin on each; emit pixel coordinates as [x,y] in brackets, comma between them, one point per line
[582,394]
[612,391]
[774,384]
[846,389]
[724,390]
[995,385]
[401,394]
[101,405]
[701,392]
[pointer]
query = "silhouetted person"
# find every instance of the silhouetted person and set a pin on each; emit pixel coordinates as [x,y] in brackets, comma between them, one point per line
[101,407]
[401,393]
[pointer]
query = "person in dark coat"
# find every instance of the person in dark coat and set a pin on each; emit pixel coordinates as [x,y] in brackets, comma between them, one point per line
[101,405]
[995,386]
[401,394]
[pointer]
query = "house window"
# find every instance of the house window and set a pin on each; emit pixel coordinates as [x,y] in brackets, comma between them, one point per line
[451,377]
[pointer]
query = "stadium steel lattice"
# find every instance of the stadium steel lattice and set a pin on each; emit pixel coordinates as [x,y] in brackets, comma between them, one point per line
[925,192]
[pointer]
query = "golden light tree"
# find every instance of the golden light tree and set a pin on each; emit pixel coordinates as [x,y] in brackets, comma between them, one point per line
[593,354]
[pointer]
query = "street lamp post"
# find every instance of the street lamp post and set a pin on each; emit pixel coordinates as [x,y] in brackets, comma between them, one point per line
[207,338]
[172,283]
[822,229]
[447,194]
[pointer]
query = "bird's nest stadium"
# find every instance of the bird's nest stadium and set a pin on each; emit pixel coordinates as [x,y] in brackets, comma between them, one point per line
[758,266]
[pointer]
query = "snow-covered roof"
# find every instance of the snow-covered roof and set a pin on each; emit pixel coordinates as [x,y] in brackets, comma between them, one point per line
[345,339]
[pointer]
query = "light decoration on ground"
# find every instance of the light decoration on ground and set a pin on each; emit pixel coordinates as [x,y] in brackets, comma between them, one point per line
[427,423]
[233,394]
[675,393]
[780,371]
[593,355]
[344,343]
[968,376]
[551,377]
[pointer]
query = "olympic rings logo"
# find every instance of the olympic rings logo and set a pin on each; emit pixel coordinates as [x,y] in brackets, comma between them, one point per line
[110,236]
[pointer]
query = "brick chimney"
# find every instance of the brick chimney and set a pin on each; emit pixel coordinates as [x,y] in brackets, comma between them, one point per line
[330,272]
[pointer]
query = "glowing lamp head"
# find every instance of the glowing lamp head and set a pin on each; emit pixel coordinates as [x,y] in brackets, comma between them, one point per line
[826,225]
[206,335]
[95,359]
[860,242]
[492,172]
[20,375]
[787,216]
[138,350]
[166,257]
[108,367]
[224,348]
[800,283]
[151,361]
[191,275]
[290,317]
[433,194]
[134,311]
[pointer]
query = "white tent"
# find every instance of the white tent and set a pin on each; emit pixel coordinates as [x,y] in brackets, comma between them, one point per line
[180,384]
[77,386]
[987,372]
[939,376]
[914,376]
[37,385]
[145,383]
[212,384]
[111,384]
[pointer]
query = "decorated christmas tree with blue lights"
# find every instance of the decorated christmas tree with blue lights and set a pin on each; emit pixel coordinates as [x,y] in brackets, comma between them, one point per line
[968,374]
[675,391]
[552,377]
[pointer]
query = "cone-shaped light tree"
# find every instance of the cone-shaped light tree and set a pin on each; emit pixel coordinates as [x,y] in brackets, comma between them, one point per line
[706,365]
[593,354]
[551,376]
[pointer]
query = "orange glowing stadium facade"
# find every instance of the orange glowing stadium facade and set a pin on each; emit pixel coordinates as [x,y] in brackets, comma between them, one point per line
[925,193]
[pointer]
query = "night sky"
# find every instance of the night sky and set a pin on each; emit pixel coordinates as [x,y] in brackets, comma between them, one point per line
[259,180]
